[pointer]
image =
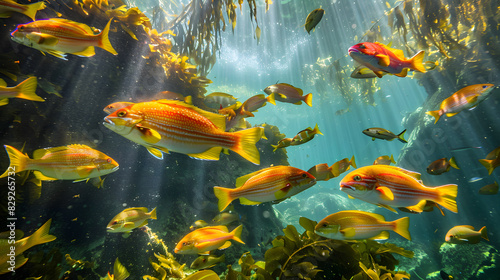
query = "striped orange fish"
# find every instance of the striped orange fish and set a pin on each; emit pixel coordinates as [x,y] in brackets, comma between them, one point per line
[466,98]
[355,225]
[268,184]
[59,36]
[25,90]
[204,240]
[390,186]
[72,162]
[492,160]
[9,6]
[175,126]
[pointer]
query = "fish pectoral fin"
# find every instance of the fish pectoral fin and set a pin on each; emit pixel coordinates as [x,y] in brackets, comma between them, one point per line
[84,171]
[472,99]
[129,225]
[210,154]
[42,177]
[282,96]
[387,207]
[383,60]
[281,194]
[87,52]
[149,135]
[382,236]
[225,246]
[350,196]
[155,152]
[386,193]
[348,232]
[246,201]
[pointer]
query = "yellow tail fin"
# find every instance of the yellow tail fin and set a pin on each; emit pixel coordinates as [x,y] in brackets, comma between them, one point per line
[245,145]
[33,8]
[487,163]
[104,42]
[453,163]
[316,130]
[26,90]
[271,99]
[237,234]
[417,62]
[401,137]
[352,162]
[18,161]
[308,99]
[447,197]
[153,214]
[401,227]
[40,236]
[484,233]
[436,114]
[224,196]
[392,160]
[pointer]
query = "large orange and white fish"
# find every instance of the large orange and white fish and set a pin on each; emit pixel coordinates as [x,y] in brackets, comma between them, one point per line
[390,186]
[381,59]
[288,94]
[355,225]
[466,98]
[204,240]
[58,37]
[7,7]
[175,126]
[25,90]
[269,184]
[72,162]
[38,237]
[492,160]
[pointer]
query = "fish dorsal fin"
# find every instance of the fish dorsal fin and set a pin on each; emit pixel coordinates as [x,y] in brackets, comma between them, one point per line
[296,88]
[387,207]
[382,236]
[2,83]
[399,53]
[141,209]
[469,227]
[75,25]
[42,152]
[218,228]
[218,120]
[376,216]
[415,175]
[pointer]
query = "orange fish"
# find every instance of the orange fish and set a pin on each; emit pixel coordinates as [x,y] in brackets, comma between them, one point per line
[268,184]
[381,59]
[355,225]
[389,186]
[283,143]
[342,166]
[288,94]
[321,172]
[203,240]
[59,36]
[72,162]
[25,90]
[384,160]
[466,98]
[9,6]
[305,136]
[466,234]
[256,102]
[441,166]
[171,125]
[492,160]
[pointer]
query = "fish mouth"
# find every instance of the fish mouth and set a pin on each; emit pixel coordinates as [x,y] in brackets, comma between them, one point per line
[108,121]
[109,229]
[351,49]
[345,186]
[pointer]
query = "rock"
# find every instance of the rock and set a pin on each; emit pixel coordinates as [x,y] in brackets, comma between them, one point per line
[470,261]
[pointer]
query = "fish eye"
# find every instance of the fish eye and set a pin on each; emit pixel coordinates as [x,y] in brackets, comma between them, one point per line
[325,225]
[357,178]
[362,46]
[121,114]
[183,243]
[288,185]
[109,160]
[485,86]
[304,175]
[204,260]
[21,27]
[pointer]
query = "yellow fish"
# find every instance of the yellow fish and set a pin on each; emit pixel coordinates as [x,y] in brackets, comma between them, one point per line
[204,240]
[492,160]
[25,90]
[283,143]
[59,36]
[384,160]
[9,6]
[355,225]
[72,162]
[39,237]
[289,94]
[466,234]
[120,272]
[130,218]
[203,262]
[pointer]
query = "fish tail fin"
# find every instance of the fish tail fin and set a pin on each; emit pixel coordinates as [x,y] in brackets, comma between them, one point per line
[271,99]
[453,163]
[26,90]
[401,136]
[33,8]
[41,235]
[417,62]
[352,162]
[436,114]
[245,145]
[392,159]
[224,196]
[447,197]
[104,42]
[487,163]
[484,233]
[18,160]
[152,214]
[308,99]
[401,227]
[237,234]
[316,130]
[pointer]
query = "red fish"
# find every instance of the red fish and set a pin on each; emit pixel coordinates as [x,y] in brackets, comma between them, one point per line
[381,59]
